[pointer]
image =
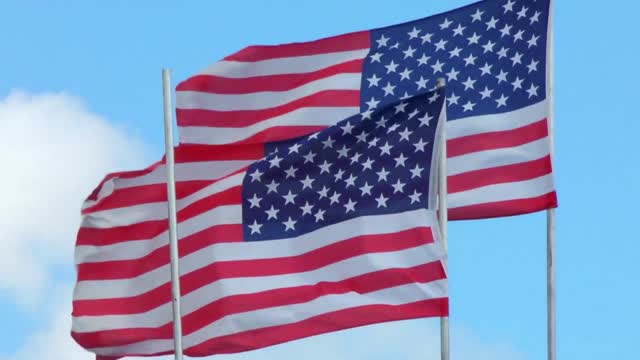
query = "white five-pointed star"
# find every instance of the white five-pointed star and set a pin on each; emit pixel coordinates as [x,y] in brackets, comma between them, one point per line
[400,160]
[275,162]
[347,128]
[453,99]
[385,149]
[486,93]
[319,215]
[424,121]
[506,30]
[422,83]
[382,201]
[382,175]
[289,224]
[469,83]
[373,80]
[272,187]
[350,181]
[473,39]
[518,35]
[533,41]
[433,97]
[516,59]
[391,67]
[306,209]
[423,59]
[458,30]
[398,187]
[291,172]
[440,44]
[503,52]
[486,69]
[502,101]
[344,151]
[355,157]
[255,176]
[372,103]
[416,171]
[535,17]
[517,83]
[306,183]
[255,227]
[532,91]
[508,6]
[388,89]
[411,116]
[309,157]
[404,135]
[382,41]
[289,198]
[413,33]
[445,24]
[468,106]
[491,24]
[533,66]
[452,74]
[470,60]
[350,205]
[477,16]
[334,198]
[415,197]
[409,52]
[488,47]
[426,38]
[328,143]
[437,67]
[324,192]
[324,167]
[255,201]
[404,75]
[366,189]
[400,107]
[502,76]
[367,164]
[420,145]
[523,12]
[376,57]
[272,213]
[338,175]
[294,148]
[455,52]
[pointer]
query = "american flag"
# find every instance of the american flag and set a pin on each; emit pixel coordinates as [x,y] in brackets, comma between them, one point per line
[493,54]
[330,231]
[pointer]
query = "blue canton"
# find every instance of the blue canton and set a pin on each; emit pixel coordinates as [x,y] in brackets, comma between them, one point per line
[491,53]
[376,162]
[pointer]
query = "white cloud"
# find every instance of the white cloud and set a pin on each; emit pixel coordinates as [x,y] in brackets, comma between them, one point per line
[53,152]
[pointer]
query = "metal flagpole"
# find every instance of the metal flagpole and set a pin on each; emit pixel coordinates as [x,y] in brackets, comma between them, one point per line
[443,216]
[551,213]
[171,196]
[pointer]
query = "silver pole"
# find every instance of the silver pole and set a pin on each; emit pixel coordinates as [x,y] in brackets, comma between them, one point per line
[551,213]
[171,196]
[443,217]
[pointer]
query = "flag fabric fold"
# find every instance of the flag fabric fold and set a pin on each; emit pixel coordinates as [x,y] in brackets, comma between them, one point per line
[292,239]
[493,54]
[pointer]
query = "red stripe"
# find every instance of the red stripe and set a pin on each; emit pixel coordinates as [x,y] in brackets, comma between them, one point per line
[243,118]
[497,139]
[123,175]
[211,273]
[347,42]
[147,230]
[504,208]
[280,133]
[499,175]
[236,304]
[283,82]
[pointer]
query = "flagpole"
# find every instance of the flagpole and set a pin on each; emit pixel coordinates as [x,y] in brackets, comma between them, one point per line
[171,196]
[551,213]
[443,215]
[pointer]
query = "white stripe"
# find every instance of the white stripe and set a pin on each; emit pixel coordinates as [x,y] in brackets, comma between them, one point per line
[307,116]
[497,122]
[345,269]
[498,157]
[501,192]
[154,211]
[236,323]
[361,226]
[265,99]
[280,66]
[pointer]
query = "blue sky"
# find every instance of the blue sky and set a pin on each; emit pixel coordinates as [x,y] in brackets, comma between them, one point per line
[100,63]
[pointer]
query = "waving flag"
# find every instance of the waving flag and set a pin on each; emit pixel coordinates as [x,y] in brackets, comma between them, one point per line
[327,232]
[492,53]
